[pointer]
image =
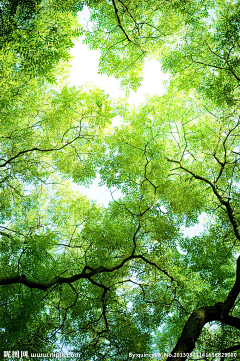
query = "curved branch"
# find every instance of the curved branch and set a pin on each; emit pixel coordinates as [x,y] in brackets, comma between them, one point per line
[192,330]
[231,321]
[229,349]
[37,150]
[231,298]
[22,279]
[223,202]
[197,320]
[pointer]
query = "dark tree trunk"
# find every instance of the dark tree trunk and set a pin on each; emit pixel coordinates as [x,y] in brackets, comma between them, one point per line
[197,320]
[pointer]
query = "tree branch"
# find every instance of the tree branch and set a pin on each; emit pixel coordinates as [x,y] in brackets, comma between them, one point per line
[197,320]
[36,149]
[229,349]
[223,202]
[231,298]
[22,279]
[192,330]
[119,21]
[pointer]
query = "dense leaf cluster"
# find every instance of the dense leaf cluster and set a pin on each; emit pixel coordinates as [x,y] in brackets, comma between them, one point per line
[106,281]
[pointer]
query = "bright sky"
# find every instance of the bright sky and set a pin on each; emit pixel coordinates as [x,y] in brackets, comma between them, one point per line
[85,71]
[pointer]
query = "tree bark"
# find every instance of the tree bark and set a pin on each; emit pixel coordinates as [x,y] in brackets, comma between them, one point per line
[197,320]
[192,330]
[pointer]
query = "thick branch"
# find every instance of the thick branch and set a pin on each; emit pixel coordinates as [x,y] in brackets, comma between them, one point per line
[197,320]
[231,298]
[22,279]
[231,321]
[192,330]
[229,349]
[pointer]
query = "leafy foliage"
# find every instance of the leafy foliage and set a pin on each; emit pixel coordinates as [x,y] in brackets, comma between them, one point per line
[106,281]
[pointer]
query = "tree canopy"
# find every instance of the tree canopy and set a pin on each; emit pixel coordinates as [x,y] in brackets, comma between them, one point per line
[122,281]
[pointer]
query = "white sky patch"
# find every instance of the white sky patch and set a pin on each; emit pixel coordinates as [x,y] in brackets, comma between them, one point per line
[194,230]
[84,72]
[197,228]
[96,193]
